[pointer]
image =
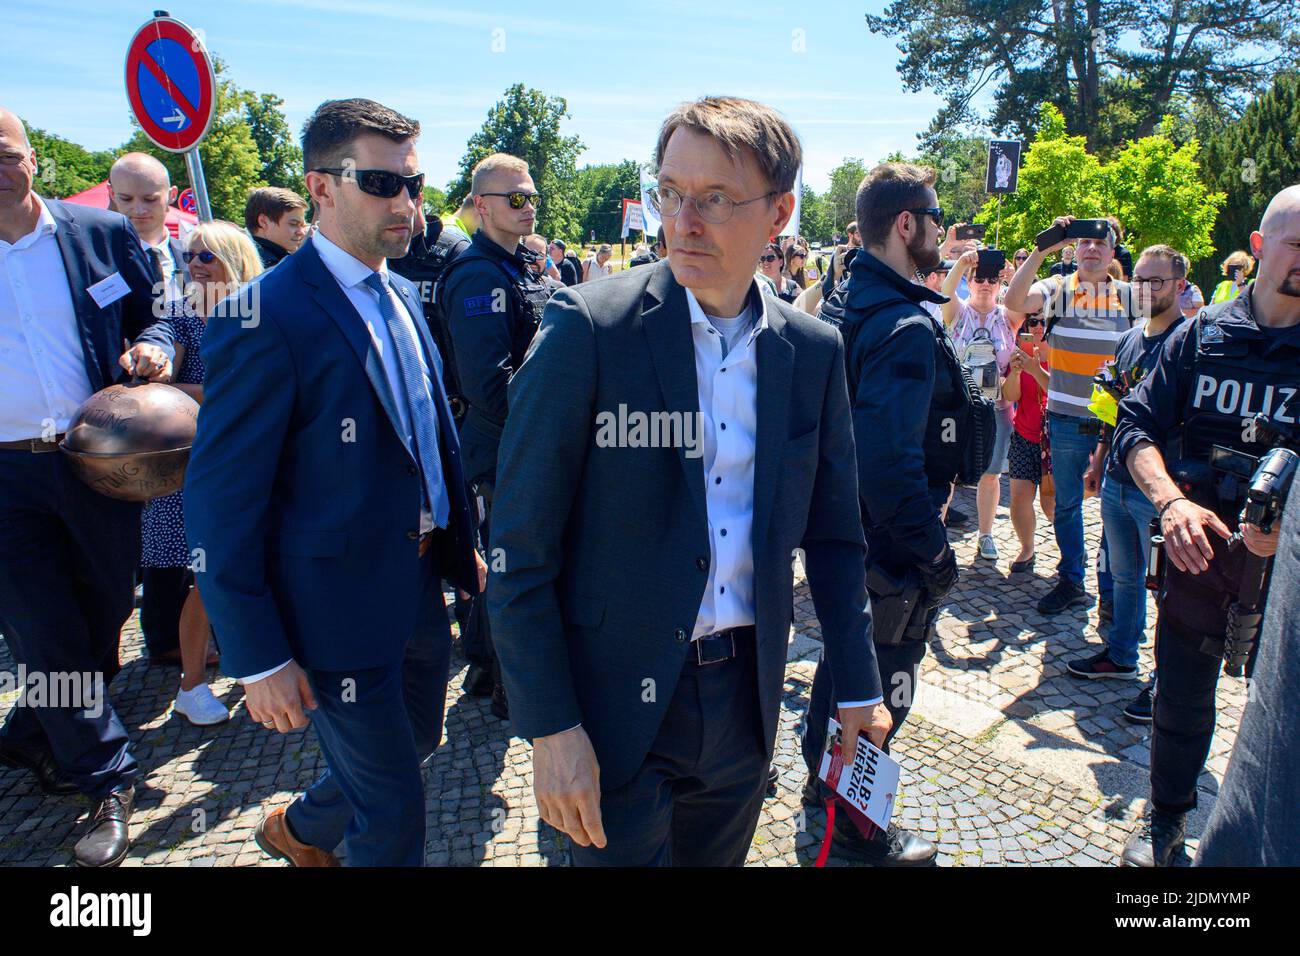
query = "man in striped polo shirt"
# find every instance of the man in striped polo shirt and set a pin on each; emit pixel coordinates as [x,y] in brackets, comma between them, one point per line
[1087,312]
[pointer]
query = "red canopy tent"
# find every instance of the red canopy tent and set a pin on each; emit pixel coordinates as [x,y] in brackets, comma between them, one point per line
[97,196]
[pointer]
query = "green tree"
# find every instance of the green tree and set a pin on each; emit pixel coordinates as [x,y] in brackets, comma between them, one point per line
[843,195]
[959,161]
[1058,176]
[1251,161]
[815,220]
[1153,186]
[280,156]
[526,123]
[232,166]
[1113,67]
[435,200]
[598,193]
[64,168]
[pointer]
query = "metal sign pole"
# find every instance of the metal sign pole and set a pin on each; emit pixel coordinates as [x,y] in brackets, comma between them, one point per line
[194,165]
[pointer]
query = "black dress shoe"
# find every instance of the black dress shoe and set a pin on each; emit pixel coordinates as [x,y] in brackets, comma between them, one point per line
[897,847]
[42,766]
[107,839]
[500,705]
[956,518]
[772,776]
[478,681]
[1159,841]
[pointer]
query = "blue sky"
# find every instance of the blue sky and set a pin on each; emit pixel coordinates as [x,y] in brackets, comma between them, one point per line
[622,68]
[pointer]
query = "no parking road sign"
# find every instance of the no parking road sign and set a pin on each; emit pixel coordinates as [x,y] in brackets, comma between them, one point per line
[171,84]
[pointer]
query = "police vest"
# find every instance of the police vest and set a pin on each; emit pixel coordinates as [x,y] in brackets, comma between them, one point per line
[528,297]
[1232,381]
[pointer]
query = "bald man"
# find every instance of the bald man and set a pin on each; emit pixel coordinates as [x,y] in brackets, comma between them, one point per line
[141,189]
[74,283]
[1215,373]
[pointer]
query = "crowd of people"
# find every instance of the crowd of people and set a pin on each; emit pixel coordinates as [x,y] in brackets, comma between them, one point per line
[414,407]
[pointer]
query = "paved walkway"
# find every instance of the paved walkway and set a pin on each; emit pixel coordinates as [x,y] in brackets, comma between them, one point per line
[1008,760]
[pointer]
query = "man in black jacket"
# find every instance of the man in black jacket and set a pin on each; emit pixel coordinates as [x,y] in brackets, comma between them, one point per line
[492,303]
[277,220]
[904,386]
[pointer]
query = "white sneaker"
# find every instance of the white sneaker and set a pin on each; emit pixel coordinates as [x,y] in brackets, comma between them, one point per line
[988,547]
[200,707]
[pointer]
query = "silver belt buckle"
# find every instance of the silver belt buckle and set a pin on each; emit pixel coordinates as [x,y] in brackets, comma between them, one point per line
[699,658]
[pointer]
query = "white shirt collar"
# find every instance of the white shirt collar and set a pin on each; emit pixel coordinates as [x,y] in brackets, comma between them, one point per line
[345,267]
[755,299]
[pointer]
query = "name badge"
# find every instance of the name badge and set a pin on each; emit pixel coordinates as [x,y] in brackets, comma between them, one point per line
[107,291]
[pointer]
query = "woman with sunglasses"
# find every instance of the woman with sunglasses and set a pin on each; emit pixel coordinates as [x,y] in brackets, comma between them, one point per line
[769,264]
[795,257]
[1026,386]
[979,323]
[220,258]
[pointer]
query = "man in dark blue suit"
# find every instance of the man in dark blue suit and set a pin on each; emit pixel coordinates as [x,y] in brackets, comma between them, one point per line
[674,436]
[74,283]
[325,499]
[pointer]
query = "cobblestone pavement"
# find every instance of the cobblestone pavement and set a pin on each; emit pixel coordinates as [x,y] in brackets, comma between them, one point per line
[1007,759]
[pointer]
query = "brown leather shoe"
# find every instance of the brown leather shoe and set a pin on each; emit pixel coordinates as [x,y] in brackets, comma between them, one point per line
[274,838]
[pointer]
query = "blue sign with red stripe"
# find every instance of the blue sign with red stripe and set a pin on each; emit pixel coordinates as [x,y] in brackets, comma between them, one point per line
[171,84]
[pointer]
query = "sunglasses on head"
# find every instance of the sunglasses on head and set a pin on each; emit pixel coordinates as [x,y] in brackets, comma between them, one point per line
[204,257]
[517,198]
[379,182]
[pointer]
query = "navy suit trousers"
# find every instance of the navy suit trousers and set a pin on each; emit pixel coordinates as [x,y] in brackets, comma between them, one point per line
[376,727]
[67,564]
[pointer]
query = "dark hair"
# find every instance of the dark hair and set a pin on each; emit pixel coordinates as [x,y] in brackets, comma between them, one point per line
[740,124]
[886,191]
[775,247]
[659,238]
[336,124]
[792,250]
[560,243]
[272,202]
[1177,261]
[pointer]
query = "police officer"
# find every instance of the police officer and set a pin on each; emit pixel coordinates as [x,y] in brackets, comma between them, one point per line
[906,388]
[493,302]
[1215,373]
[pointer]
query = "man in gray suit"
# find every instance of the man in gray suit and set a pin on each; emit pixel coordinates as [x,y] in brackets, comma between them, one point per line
[674,435]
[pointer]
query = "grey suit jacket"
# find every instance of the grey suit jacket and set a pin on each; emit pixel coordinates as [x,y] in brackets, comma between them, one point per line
[600,555]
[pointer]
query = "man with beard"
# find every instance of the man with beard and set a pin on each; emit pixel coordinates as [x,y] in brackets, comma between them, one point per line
[326,495]
[904,383]
[1237,359]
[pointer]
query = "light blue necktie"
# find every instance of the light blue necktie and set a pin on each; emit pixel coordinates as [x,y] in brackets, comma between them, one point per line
[424,417]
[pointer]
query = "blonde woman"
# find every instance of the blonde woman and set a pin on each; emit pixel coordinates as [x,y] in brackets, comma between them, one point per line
[220,258]
[1237,268]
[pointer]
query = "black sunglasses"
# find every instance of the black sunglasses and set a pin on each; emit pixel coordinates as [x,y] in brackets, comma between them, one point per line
[768,258]
[204,257]
[517,199]
[379,182]
[934,212]
[1031,323]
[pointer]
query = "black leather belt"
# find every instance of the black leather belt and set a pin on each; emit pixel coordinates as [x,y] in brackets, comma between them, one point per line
[722,645]
[34,445]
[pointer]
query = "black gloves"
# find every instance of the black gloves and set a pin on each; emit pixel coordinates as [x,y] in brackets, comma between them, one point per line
[939,577]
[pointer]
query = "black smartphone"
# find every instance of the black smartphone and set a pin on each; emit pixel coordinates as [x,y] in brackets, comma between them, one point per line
[1088,229]
[990,264]
[970,232]
[1234,273]
[1050,237]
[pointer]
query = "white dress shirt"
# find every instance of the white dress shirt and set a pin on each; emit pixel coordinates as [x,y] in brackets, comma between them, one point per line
[351,274]
[42,366]
[726,374]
